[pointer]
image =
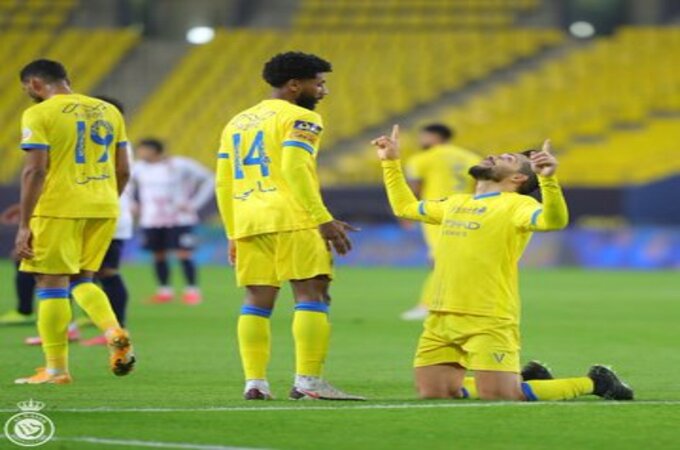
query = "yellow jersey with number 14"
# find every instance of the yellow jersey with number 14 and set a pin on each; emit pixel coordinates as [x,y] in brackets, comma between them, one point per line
[266,177]
[82,135]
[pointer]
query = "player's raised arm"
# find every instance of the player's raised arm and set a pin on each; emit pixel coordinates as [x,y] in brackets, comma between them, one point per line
[404,204]
[553,215]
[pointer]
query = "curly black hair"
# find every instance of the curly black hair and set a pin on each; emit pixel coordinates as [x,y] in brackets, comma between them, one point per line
[443,131]
[46,69]
[293,65]
[531,184]
[156,144]
[115,102]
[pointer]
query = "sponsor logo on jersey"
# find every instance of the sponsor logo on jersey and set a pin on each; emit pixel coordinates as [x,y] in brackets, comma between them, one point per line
[307,126]
[305,136]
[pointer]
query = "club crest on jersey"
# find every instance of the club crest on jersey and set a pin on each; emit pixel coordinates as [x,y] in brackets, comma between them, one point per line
[307,126]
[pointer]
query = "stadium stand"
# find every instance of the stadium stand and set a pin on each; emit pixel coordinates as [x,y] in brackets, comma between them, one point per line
[377,76]
[412,15]
[615,101]
[76,48]
[34,14]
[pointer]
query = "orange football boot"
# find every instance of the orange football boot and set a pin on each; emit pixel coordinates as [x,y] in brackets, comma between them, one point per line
[43,377]
[122,358]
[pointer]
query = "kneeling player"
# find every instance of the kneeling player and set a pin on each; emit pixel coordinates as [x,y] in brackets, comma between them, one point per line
[473,322]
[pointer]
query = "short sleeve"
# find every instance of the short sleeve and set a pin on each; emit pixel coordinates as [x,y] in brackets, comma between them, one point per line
[526,213]
[121,138]
[304,133]
[33,131]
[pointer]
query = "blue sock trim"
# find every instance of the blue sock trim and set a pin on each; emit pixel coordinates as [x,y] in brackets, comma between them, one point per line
[48,293]
[528,393]
[80,281]
[312,306]
[465,392]
[255,311]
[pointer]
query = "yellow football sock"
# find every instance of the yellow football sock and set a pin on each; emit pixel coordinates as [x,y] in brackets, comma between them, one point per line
[95,303]
[54,315]
[254,341]
[561,389]
[311,331]
[427,293]
[469,389]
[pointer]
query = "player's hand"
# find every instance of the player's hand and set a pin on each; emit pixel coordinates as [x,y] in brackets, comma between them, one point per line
[388,147]
[23,244]
[543,163]
[232,253]
[335,234]
[10,216]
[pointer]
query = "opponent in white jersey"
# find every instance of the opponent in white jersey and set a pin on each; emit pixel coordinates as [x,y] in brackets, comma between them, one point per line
[170,190]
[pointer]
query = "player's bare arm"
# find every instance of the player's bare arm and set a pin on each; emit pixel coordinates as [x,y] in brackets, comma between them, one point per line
[336,234]
[10,216]
[122,169]
[32,181]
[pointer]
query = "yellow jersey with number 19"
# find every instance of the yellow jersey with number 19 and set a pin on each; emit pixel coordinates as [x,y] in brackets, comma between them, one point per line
[266,178]
[82,135]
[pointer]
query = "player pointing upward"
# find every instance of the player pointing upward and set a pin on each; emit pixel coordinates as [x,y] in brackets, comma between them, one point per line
[473,322]
[269,199]
[76,167]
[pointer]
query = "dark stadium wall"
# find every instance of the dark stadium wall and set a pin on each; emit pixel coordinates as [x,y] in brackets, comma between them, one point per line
[653,203]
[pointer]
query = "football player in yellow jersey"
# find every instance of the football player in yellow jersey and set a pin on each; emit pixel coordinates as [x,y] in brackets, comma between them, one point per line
[438,171]
[474,316]
[72,177]
[278,226]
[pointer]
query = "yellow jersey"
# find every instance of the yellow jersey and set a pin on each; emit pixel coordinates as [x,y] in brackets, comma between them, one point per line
[82,135]
[442,170]
[482,239]
[266,177]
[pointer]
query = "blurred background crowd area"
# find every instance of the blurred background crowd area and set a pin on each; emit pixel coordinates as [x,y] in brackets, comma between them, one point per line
[598,77]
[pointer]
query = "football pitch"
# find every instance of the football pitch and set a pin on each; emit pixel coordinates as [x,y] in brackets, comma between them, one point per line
[186,390]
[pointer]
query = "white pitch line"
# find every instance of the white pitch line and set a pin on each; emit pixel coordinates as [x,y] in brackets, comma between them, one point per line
[152,444]
[443,404]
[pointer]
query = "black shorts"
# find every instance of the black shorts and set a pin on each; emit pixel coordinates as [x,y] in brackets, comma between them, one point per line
[170,238]
[113,255]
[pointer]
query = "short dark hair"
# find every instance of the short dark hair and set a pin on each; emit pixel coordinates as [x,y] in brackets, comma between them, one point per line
[531,184]
[293,65]
[115,102]
[443,131]
[154,143]
[46,69]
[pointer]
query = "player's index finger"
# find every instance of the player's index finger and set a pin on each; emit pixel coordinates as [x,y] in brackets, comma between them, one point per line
[547,145]
[395,131]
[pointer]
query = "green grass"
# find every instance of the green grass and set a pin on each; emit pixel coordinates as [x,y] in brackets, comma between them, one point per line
[188,359]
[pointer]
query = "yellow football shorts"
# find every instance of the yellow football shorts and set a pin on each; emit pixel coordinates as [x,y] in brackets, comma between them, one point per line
[474,342]
[66,246]
[272,258]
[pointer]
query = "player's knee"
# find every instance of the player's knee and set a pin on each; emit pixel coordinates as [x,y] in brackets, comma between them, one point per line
[430,392]
[107,272]
[159,256]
